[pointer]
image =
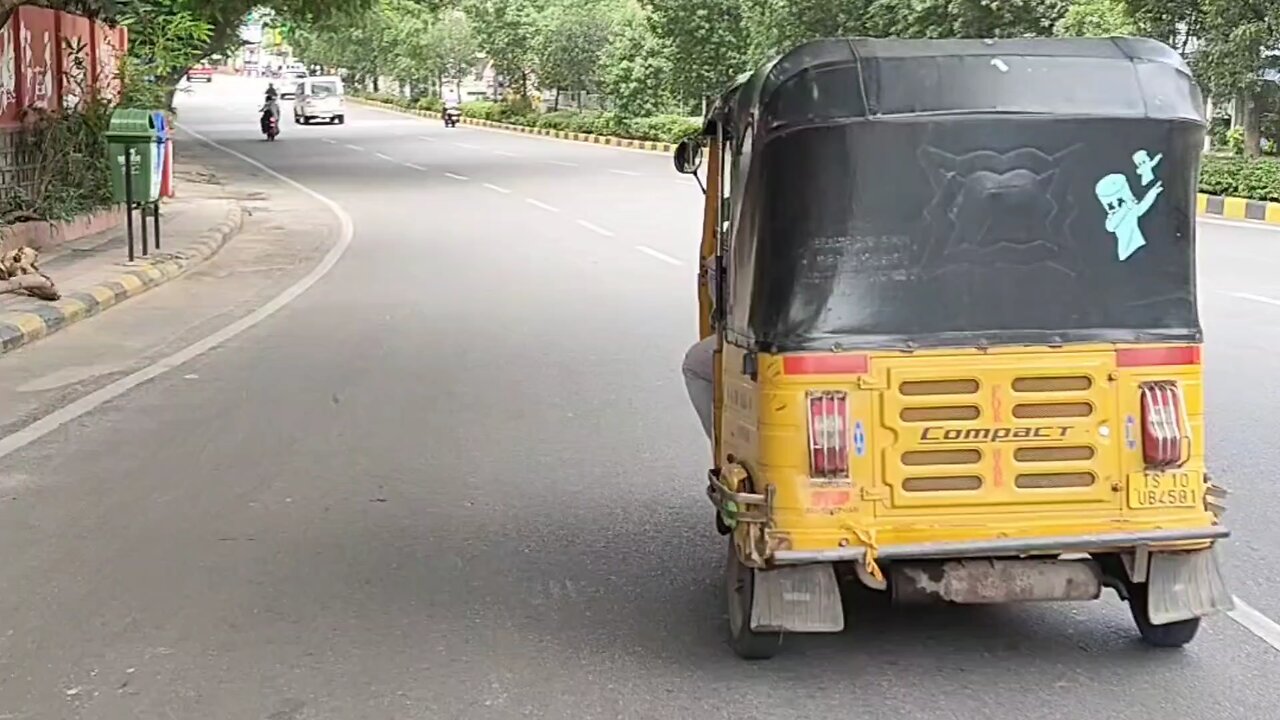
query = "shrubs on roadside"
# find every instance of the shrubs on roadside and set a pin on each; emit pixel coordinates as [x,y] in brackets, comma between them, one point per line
[1256,179]
[659,128]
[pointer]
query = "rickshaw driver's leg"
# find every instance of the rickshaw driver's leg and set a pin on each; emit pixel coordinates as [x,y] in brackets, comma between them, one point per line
[699,380]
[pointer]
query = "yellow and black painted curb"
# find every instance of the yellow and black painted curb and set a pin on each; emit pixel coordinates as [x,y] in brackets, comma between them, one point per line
[19,328]
[646,145]
[1234,208]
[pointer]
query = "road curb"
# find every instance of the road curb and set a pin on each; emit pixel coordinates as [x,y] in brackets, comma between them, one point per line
[18,329]
[1235,208]
[652,146]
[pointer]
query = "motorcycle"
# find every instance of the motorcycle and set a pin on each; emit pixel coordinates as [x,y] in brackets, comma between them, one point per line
[452,116]
[270,127]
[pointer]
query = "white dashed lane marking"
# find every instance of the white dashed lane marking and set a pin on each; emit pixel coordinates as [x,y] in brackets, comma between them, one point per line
[542,205]
[456,176]
[495,188]
[659,255]
[595,228]
[1255,298]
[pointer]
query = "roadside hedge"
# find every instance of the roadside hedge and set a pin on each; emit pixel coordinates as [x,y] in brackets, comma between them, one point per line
[1255,179]
[658,128]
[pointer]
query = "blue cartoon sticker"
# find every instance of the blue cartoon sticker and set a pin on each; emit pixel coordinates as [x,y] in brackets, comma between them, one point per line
[859,439]
[1124,210]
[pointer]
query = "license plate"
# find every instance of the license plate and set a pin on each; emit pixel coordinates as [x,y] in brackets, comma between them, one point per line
[1168,489]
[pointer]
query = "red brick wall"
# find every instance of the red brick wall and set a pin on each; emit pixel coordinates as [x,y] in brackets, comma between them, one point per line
[37,67]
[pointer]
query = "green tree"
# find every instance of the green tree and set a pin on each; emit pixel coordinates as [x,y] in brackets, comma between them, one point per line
[706,42]
[406,46]
[1097,18]
[507,33]
[165,39]
[968,18]
[1175,22]
[1239,42]
[456,48]
[571,39]
[776,26]
[635,69]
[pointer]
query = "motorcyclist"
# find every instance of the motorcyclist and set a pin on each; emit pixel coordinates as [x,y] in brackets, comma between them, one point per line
[270,109]
[271,92]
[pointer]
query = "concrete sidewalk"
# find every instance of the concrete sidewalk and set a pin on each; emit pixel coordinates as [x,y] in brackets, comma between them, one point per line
[94,273]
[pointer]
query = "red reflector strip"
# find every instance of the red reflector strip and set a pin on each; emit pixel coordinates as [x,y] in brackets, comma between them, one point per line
[833,364]
[1155,356]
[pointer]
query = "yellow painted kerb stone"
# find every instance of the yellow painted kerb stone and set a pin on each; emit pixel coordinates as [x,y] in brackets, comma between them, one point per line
[1234,208]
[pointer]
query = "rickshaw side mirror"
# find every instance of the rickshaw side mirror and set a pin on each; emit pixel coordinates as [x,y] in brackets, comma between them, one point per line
[688,156]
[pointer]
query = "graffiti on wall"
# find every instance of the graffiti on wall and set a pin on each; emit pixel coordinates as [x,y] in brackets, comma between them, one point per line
[51,59]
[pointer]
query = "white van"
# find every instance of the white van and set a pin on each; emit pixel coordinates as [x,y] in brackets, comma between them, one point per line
[319,98]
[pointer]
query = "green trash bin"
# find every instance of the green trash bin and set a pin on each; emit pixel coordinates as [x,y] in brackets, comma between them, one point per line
[133,132]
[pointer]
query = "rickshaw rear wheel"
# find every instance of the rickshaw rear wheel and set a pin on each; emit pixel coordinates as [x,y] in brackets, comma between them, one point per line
[1172,635]
[748,644]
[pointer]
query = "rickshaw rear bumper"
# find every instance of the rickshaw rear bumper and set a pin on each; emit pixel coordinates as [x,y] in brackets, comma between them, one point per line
[1008,547]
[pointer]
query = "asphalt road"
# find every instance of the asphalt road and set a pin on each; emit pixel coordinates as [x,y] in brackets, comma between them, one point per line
[458,478]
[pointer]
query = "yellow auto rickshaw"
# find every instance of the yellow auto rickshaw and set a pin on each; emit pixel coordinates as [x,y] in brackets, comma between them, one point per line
[951,290]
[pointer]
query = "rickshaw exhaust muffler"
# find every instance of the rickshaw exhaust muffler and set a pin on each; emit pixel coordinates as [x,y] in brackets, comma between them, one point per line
[991,581]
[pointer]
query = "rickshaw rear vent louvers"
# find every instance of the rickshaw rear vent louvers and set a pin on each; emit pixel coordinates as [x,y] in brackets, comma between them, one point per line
[1054,454]
[945,412]
[1055,480]
[917,458]
[1078,383]
[1052,410]
[951,483]
[915,388]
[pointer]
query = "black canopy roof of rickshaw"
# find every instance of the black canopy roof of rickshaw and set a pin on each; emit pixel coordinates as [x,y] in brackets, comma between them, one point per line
[907,193]
[863,78]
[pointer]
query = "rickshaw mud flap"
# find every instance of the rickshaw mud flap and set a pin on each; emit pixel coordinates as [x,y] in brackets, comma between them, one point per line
[991,581]
[1186,585]
[799,599]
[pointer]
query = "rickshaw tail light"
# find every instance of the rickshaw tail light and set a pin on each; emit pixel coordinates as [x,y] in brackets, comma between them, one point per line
[826,364]
[1157,356]
[1166,432]
[828,434]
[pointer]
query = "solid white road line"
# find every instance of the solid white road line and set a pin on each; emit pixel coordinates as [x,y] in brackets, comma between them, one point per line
[456,176]
[47,424]
[1255,298]
[492,187]
[659,255]
[542,205]
[1257,623]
